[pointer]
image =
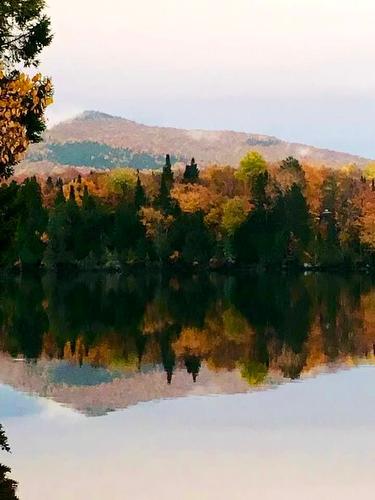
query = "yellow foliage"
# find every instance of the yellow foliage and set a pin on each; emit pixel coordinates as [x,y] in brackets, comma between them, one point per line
[234,214]
[367,220]
[19,96]
[369,171]
[349,170]
[251,165]
[155,221]
[121,180]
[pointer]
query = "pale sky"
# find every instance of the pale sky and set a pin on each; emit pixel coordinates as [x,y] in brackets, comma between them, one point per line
[302,70]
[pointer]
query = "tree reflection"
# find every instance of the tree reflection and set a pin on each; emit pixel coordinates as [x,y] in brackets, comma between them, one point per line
[256,324]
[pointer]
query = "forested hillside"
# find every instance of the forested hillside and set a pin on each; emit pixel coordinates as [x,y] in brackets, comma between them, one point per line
[261,214]
[98,140]
[94,155]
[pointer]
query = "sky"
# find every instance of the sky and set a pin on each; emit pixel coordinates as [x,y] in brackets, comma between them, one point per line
[302,70]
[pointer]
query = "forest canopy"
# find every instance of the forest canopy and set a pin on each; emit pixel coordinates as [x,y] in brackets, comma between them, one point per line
[261,215]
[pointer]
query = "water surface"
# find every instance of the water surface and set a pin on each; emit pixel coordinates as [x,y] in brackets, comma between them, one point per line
[206,386]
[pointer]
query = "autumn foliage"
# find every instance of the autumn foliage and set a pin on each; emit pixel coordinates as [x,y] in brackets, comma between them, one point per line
[23,101]
[260,215]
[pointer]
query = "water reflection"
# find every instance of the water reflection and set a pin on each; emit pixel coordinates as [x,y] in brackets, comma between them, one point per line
[102,342]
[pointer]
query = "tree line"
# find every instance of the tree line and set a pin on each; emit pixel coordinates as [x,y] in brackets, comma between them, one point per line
[260,215]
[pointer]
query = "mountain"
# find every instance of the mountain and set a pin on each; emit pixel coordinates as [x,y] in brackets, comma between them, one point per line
[95,140]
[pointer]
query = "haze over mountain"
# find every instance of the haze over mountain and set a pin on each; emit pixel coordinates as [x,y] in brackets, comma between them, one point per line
[100,141]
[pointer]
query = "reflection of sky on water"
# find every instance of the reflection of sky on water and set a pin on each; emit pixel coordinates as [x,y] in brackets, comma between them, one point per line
[16,404]
[304,440]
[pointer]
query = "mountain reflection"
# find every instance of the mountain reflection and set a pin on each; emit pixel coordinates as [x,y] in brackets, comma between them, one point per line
[102,342]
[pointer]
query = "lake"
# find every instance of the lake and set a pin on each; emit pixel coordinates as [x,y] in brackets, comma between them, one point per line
[162,386]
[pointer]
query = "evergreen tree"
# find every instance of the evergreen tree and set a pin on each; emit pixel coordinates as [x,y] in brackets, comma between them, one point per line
[191,173]
[24,31]
[63,232]
[128,237]
[139,194]
[164,200]
[296,222]
[328,245]
[293,166]
[197,242]
[9,210]
[92,233]
[258,187]
[168,173]
[32,222]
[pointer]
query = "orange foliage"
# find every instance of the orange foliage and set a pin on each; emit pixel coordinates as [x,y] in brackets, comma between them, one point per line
[194,197]
[367,219]
[315,176]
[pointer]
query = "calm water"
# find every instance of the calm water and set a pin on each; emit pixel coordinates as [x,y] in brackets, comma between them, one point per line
[199,387]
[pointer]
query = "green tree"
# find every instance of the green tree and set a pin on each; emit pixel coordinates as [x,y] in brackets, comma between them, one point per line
[191,173]
[296,223]
[24,31]
[164,200]
[293,166]
[251,166]
[8,222]
[128,235]
[139,194]
[168,173]
[328,242]
[32,222]
[197,245]
[253,172]
[92,233]
[63,231]
[234,214]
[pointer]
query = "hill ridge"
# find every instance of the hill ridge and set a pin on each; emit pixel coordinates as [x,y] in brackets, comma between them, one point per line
[98,140]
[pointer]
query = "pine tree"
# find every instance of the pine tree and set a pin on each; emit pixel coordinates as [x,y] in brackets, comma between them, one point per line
[164,200]
[32,222]
[191,173]
[168,173]
[139,195]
